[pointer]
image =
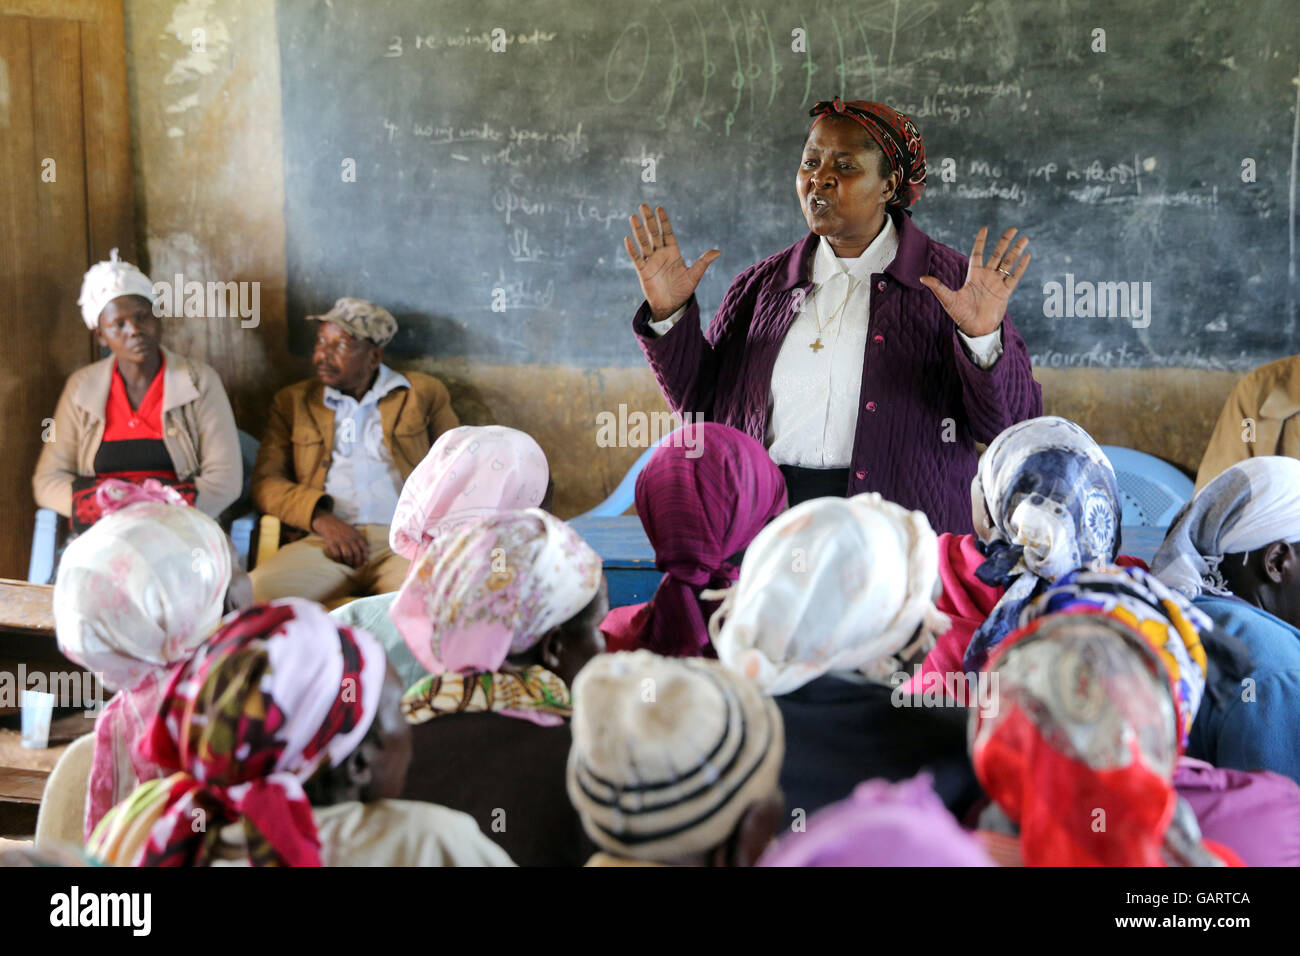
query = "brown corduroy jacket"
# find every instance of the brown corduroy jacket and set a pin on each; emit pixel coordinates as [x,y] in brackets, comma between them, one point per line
[289,478]
[1260,417]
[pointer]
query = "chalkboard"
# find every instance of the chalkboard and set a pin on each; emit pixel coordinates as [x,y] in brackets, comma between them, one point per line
[482,194]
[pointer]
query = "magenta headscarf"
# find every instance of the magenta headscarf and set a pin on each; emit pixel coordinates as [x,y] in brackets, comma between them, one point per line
[881,824]
[703,495]
[469,472]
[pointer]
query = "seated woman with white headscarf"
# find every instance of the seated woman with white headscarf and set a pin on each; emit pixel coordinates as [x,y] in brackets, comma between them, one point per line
[502,615]
[470,471]
[135,595]
[143,413]
[1235,550]
[834,603]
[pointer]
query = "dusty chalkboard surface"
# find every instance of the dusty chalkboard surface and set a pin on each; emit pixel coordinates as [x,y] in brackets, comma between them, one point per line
[482,196]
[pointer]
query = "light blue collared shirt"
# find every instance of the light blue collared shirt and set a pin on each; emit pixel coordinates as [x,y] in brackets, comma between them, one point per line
[362,478]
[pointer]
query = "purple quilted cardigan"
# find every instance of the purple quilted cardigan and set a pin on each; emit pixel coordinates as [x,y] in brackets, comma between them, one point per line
[924,401]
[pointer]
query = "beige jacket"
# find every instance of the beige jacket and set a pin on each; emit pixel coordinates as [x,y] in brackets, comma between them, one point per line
[198,432]
[289,478]
[1267,402]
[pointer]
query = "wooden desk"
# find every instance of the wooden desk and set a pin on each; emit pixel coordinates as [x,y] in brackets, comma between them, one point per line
[28,647]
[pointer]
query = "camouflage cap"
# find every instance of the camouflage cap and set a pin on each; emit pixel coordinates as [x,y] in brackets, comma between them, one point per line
[363,319]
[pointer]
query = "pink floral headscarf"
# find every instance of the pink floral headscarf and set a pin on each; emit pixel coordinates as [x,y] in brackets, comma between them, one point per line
[469,472]
[494,589]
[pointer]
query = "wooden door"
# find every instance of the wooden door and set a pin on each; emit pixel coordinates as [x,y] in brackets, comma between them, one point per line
[66,199]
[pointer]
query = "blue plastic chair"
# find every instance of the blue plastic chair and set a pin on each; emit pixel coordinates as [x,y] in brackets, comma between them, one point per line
[45,536]
[1151,490]
[623,496]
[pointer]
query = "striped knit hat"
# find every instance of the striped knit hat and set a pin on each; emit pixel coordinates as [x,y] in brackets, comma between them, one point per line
[669,753]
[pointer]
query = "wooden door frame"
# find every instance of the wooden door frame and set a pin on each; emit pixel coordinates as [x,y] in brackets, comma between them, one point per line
[106,118]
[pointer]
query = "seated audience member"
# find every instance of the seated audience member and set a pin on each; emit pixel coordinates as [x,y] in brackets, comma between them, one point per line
[1206,665]
[1255,814]
[336,451]
[283,734]
[1235,550]
[881,824]
[674,762]
[135,595]
[470,471]
[502,615]
[835,601]
[702,496]
[1080,753]
[1261,417]
[1045,502]
[144,412]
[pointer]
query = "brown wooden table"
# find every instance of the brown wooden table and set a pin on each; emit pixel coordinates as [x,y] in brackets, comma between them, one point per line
[28,647]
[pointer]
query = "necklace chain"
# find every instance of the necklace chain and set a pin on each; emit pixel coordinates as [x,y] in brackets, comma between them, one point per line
[834,315]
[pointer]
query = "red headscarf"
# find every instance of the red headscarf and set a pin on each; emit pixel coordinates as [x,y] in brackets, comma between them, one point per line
[895,134]
[1081,748]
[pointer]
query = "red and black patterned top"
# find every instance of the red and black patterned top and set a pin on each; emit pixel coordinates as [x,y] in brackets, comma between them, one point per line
[131,450]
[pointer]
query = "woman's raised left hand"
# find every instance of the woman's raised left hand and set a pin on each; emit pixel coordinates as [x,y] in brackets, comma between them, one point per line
[978,306]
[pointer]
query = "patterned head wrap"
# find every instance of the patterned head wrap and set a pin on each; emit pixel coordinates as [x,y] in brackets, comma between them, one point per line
[135,594]
[831,584]
[1081,748]
[697,513]
[895,134]
[1170,624]
[1045,502]
[469,472]
[493,589]
[881,824]
[280,690]
[105,281]
[668,754]
[1252,504]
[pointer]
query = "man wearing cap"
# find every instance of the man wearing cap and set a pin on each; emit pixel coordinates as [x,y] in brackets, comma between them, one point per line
[336,453]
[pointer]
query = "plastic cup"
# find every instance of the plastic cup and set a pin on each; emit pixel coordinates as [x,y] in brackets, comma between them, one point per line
[38,709]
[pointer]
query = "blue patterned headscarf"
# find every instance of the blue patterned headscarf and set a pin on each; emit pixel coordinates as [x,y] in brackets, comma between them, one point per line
[1045,502]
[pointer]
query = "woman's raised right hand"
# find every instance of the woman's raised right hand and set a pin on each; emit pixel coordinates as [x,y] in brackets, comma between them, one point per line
[666,281]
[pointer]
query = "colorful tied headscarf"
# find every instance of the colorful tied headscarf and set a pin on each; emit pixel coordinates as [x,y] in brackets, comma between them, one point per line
[1045,502]
[105,281]
[831,584]
[135,595]
[1170,624]
[1252,504]
[493,589]
[881,824]
[469,472]
[895,134]
[278,691]
[1080,751]
[701,500]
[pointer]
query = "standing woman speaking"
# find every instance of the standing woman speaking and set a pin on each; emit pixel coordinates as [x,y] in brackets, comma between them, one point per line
[866,356]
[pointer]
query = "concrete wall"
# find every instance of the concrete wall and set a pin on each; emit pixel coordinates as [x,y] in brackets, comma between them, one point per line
[210,196]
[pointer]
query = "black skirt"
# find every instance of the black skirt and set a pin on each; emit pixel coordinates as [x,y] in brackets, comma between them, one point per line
[804,484]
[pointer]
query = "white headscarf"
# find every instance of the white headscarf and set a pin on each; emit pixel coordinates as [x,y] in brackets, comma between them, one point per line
[105,281]
[141,590]
[1252,504]
[831,584]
